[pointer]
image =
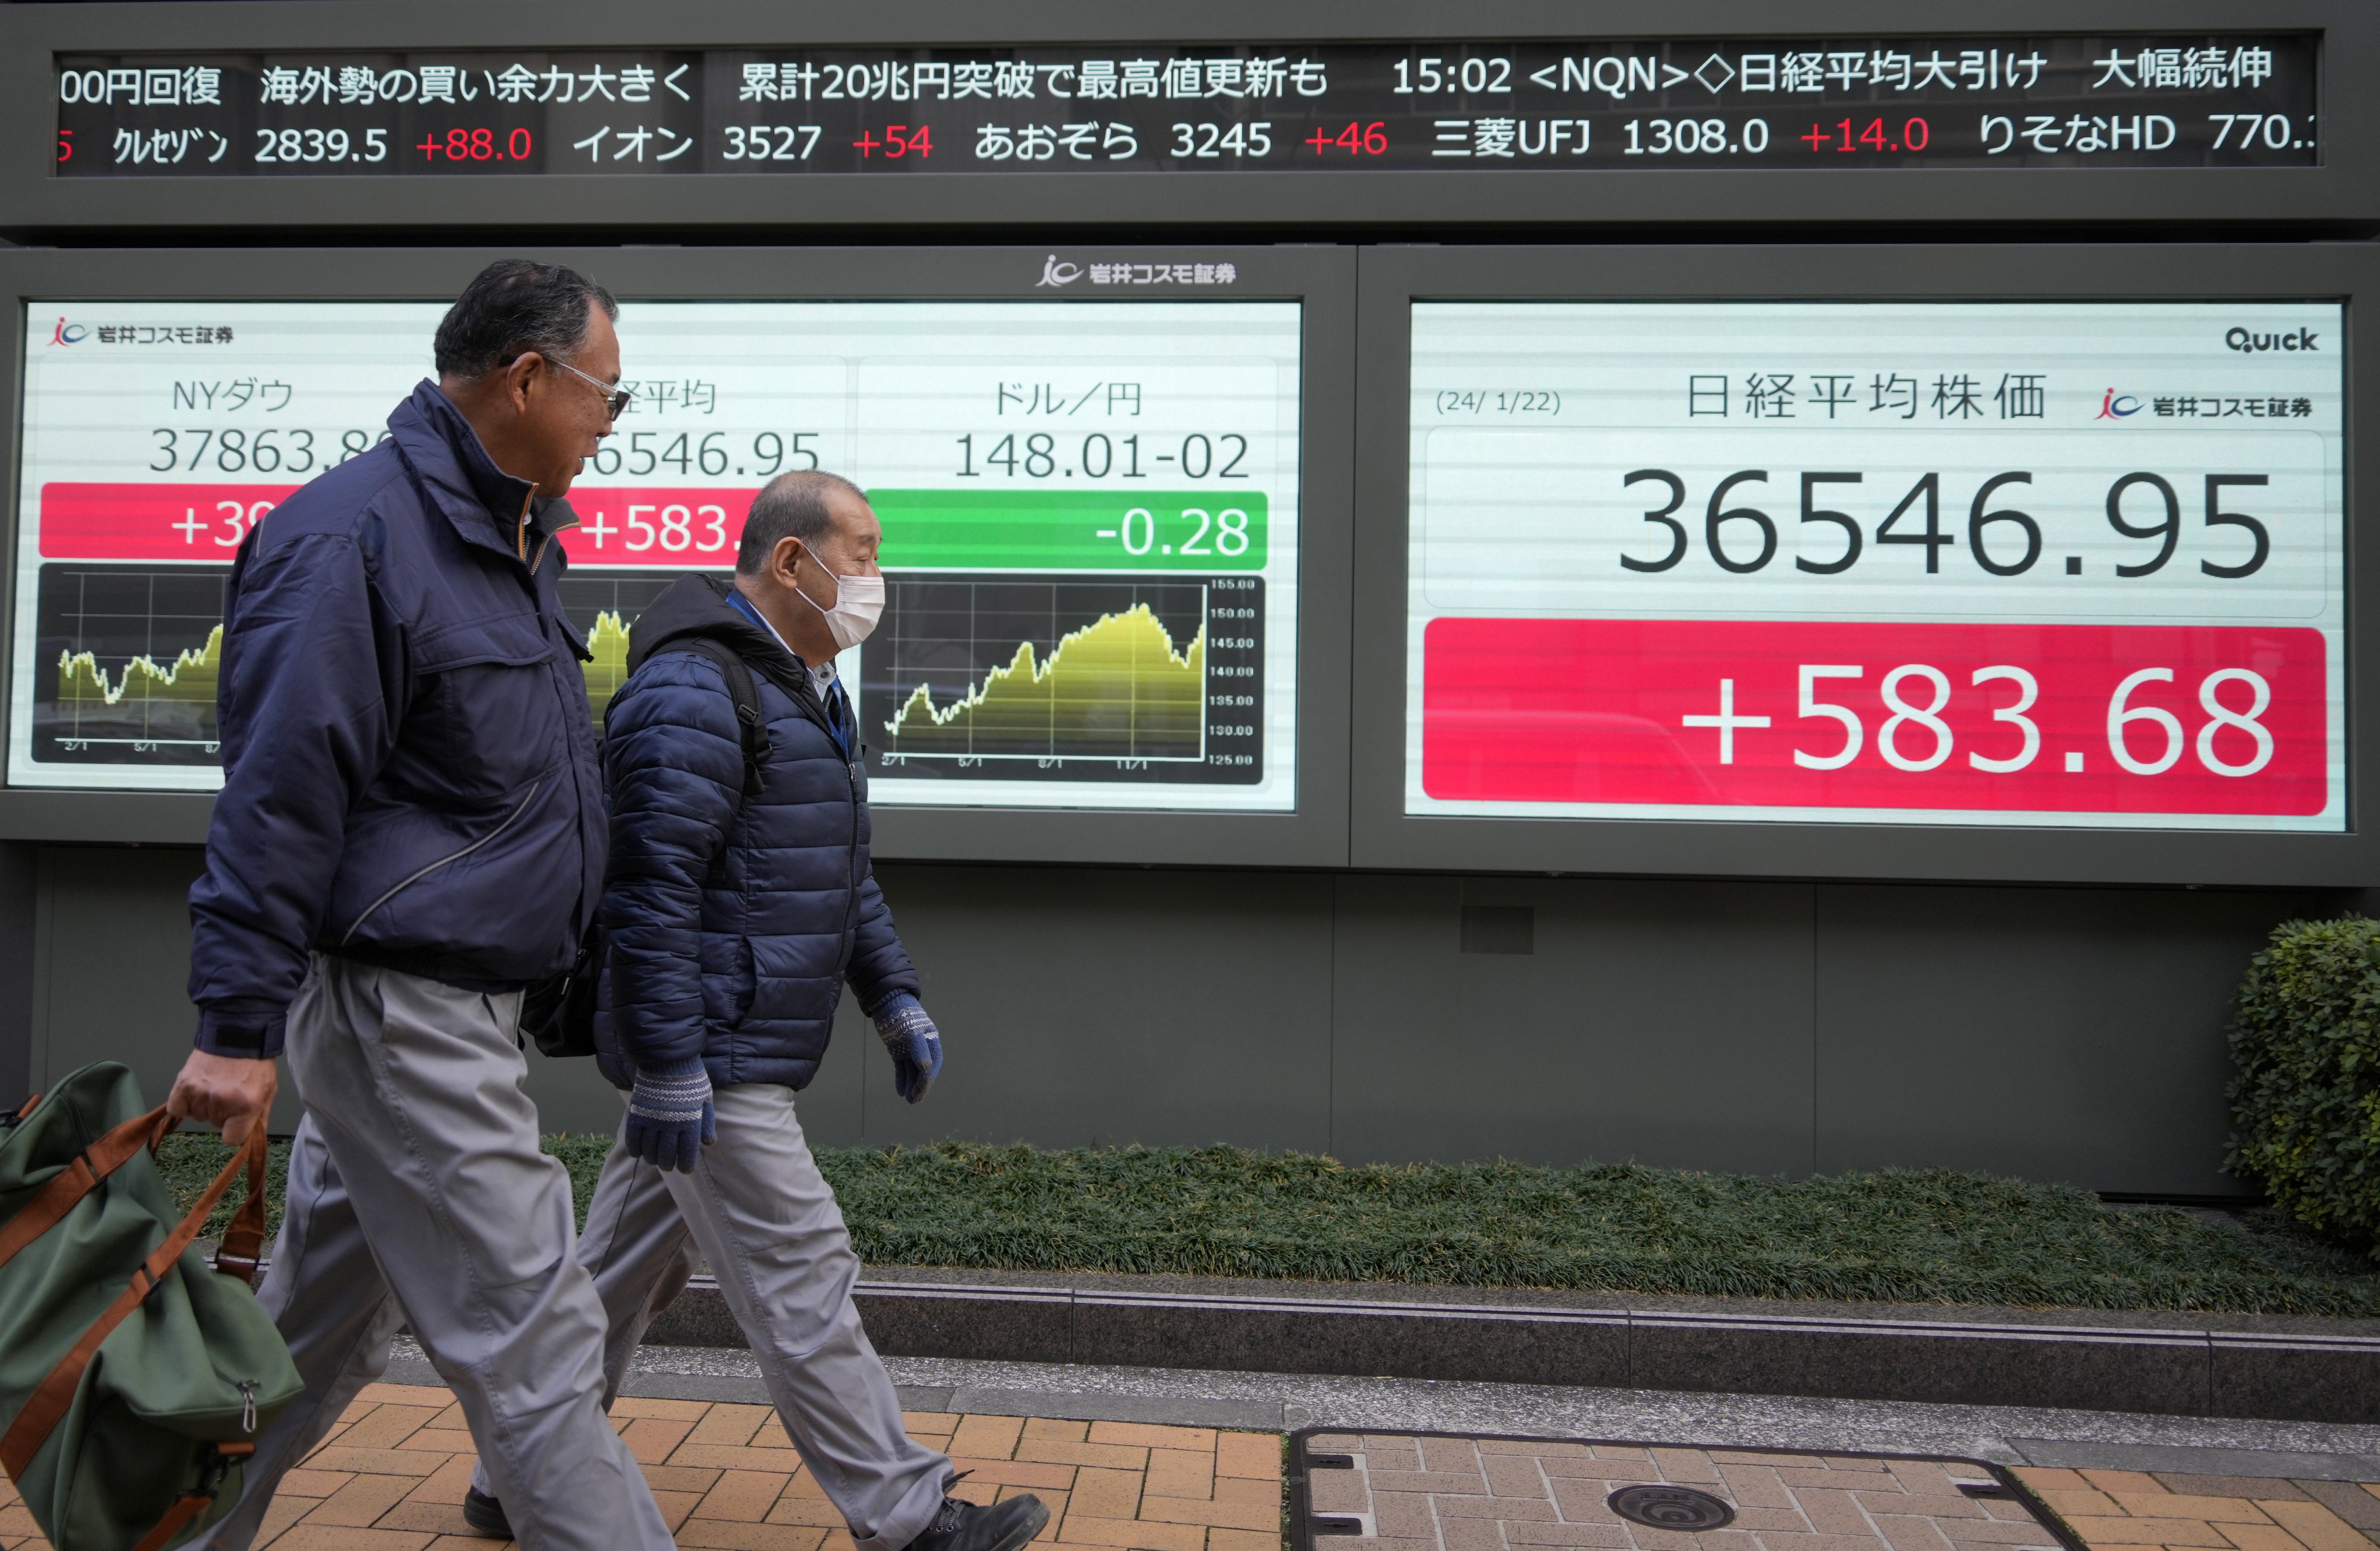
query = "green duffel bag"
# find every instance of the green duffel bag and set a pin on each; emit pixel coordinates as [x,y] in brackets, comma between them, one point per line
[133,1377]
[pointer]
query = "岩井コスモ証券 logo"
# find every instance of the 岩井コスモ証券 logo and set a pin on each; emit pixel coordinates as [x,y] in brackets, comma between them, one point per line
[2116,407]
[69,333]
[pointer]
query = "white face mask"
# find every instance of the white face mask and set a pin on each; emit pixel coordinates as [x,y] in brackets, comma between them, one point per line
[858,603]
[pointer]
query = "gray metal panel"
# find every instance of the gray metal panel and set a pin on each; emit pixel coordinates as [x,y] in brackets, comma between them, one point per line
[1383,836]
[1321,278]
[1083,1008]
[2068,1035]
[112,953]
[2341,193]
[1659,1022]
[19,894]
[111,946]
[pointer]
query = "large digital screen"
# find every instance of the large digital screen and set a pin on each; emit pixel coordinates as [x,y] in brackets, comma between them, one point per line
[1090,516]
[1456,108]
[2073,565]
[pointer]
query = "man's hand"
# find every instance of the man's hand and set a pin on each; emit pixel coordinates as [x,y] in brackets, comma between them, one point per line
[229,1091]
[671,1117]
[916,1046]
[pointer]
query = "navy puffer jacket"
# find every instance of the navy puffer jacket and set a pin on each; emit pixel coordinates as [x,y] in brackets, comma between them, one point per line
[733,920]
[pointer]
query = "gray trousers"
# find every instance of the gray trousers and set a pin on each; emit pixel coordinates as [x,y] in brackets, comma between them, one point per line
[417,1197]
[758,1209]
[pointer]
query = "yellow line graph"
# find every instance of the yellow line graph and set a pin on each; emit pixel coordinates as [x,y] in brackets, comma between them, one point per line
[608,669]
[189,679]
[1116,688]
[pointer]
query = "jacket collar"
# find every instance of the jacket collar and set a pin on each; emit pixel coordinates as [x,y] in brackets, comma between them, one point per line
[488,507]
[698,605]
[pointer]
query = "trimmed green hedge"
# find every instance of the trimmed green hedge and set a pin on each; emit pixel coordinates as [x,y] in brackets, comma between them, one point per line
[1933,1235]
[2306,1102]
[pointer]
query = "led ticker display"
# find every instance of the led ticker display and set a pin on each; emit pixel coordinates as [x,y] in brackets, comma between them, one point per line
[1788,103]
[1090,517]
[2070,564]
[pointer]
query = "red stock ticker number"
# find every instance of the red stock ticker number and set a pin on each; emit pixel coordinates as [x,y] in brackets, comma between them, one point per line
[899,140]
[2084,719]
[1356,140]
[1847,138]
[477,145]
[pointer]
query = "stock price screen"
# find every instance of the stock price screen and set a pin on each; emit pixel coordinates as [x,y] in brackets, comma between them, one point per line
[1090,517]
[2064,565]
[1782,102]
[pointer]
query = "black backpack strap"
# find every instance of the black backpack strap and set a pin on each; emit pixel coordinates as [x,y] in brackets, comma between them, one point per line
[752,727]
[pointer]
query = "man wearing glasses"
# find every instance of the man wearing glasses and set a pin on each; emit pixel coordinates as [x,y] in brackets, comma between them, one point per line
[411,832]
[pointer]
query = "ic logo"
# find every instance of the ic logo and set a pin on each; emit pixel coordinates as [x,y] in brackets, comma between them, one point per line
[1055,273]
[69,334]
[2116,407]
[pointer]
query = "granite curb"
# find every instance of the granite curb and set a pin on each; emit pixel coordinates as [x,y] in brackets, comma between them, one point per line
[2221,1365]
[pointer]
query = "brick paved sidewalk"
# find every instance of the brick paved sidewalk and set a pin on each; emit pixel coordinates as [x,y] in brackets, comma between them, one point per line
[390,1477]
[1428,1493]
[2251,1513]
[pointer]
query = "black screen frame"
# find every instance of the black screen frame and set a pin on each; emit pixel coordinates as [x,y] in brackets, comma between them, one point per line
[2340,194]
[1394,278]
[1321,279]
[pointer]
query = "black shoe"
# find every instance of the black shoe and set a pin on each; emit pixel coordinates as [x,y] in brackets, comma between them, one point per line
[486,1514]
[1004,1526]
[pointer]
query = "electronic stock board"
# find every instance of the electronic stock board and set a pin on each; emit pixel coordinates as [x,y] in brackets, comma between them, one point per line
[1912,561]
[731,115]
[1835,567]
[1097,526]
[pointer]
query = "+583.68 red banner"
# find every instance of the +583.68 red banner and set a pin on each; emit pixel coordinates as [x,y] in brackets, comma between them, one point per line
[2071,565]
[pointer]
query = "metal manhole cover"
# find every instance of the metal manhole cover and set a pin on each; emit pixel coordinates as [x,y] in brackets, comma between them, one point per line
[1670,1507]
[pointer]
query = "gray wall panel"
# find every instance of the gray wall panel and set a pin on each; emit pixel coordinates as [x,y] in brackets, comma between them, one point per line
[1771,1027]
[112,964]
[1081,1006]
[1666,1023]
[19,895]
[2068,1035]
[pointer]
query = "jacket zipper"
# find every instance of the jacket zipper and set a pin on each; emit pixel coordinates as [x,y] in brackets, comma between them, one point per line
[407,883]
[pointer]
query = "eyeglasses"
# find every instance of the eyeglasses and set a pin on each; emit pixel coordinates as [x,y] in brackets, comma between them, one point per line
[616,397]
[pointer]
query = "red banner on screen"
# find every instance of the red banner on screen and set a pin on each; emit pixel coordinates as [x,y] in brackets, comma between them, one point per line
[637,525]
[640,525]
[2067,718]
[152,522]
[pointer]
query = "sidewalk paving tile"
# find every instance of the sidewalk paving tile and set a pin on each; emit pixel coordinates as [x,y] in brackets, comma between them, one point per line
[391,1474]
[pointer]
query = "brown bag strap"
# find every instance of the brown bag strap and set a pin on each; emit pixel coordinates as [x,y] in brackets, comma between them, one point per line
[80,1178]
[243,1242]
[49,1404]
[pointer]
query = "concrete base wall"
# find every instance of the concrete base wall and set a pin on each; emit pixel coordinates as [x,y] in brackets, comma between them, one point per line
[2064,1034]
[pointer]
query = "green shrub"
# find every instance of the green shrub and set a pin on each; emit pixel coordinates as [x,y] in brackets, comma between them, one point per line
[2306,1102]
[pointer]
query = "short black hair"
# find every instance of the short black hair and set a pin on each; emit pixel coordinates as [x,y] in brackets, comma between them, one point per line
[789,506]
[515,307]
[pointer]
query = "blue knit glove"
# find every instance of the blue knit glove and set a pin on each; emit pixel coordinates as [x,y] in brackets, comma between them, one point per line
[669,1115]
[917,1047]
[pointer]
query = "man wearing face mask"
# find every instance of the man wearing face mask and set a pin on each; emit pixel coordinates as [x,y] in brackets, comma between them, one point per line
[740,901]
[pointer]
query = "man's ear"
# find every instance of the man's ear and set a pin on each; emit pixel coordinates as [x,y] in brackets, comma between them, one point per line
[784,560]
[518,374]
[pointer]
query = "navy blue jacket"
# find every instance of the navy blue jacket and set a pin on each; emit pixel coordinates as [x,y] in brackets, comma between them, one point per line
[733,920]
[409,767]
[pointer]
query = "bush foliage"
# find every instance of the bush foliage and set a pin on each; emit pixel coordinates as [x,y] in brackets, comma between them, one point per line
[2306,1102]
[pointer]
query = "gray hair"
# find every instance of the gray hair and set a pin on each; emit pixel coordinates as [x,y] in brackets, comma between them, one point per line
[789,506]
[515,307]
